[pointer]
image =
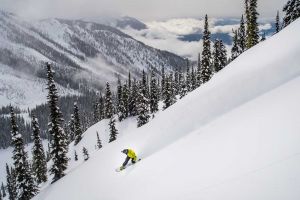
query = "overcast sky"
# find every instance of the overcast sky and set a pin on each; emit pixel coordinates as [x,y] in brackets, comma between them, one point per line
[141,9]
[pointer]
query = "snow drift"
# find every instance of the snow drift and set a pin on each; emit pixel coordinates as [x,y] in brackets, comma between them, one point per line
[236,137]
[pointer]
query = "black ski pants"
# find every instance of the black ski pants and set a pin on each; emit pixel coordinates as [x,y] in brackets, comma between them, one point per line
[126,161]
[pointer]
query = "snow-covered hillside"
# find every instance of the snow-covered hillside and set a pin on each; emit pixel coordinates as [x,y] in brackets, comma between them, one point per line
[82,52]
[23,90]
[236,137]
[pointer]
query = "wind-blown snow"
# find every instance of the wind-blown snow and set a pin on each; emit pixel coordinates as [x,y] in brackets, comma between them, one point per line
[236,137]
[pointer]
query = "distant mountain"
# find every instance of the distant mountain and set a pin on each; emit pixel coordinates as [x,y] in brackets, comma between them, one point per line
[82,52]
[130,22]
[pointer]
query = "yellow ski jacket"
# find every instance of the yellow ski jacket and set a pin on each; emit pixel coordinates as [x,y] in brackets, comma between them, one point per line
[131,154]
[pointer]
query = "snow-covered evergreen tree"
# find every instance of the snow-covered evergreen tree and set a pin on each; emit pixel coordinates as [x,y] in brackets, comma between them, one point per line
[99,144]
[77,124]
[112,129]
[235,46]
[219,55]
[242,36]
[253,31]
[96,113]
[169,96]
[129,81]
[85,154]
[144,85]
[133,99]
[125,99]
[206,72]
[163,78]
[75,156]
[11,184]
[142,107]
[26,187]
[3,190]
[122,94]
[109,111]
[183,88]
[292,12]
[198,73]
[188,82]
[59,147]
[154,96]
[101,108]
[277,23]
[193,79]
[120,103]
[71,129]
[39,164]
[176,83]
[263,37]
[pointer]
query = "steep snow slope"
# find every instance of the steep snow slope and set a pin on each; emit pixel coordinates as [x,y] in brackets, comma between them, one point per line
[235,137]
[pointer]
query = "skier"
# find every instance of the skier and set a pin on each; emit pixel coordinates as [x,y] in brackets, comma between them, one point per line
[130,155]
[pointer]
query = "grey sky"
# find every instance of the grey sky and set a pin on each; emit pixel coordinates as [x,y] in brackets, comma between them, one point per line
[141,9]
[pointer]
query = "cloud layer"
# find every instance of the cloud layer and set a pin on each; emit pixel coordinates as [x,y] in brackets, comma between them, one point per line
[142,9]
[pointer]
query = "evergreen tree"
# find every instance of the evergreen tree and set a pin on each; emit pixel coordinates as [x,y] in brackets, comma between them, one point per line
[176,83]
[219,55]
[242,36]
[263,37]
[206,72]
[59,147]
[119,100]
[188,79]
[169,97]
[154,96]
[122,107]
[25,182]
[75,156]
[198,76]
[183,90]
[235,48]
[277,23]
[101,108]
[129,80]
[142,107]
[108,102]
[71,125]
[144,85]
[133,99]
[85,154]
[248,21]
[292,12]
[125,99]
[11,184]
[0,195]
[112,129]
[3,190]
[77,124]
[253,31]
[99,144]
[96,113]
[163,78]
[39,164]
[193,79]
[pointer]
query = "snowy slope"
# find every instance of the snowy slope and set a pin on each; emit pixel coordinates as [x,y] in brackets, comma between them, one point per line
[235,137]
